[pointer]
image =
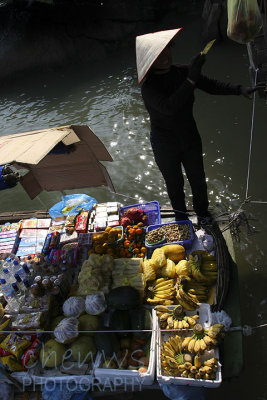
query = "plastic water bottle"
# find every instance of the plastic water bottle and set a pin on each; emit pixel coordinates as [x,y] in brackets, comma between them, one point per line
[5,265]
[9,295]
[7,276]
[28,275]
[20,284]
[19,270]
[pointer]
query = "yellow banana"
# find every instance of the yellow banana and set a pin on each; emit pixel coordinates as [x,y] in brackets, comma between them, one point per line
[164,316]
[170,322]
[183,303]
[207,340]
[162,308]
[185,324]
[193,369]
[197,361]
[181,368]
[188,365]
[191,345]
[191,321]
[168,352]
[186,342]
[166,282]
[174,344]
[176,324]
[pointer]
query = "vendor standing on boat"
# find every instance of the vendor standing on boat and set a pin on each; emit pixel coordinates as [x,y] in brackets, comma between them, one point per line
[168,94]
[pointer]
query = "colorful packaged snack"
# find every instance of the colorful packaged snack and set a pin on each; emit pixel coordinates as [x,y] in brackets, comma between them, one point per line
[32,321]
[15,344]
[82,221]
[70,223]
[4,353]
[11,364]
[5,326]
[31,354]
[54,243]
[46,246]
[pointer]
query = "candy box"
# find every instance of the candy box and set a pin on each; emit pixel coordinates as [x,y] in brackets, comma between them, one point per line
[82,221]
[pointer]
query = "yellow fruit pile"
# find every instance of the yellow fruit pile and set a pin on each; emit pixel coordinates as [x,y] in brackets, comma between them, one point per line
[171,279]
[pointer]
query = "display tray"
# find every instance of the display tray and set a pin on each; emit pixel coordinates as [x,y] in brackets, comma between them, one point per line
[132,375]
[205,320]
[185,243]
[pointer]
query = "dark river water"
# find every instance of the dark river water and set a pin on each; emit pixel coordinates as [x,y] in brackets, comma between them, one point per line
[106,96]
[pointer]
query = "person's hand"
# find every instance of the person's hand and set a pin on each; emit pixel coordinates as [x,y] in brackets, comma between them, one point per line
[246,91]
[195,67]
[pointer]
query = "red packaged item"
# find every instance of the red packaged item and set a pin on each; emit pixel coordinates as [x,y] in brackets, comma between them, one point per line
[4,353]
[54,240]
[31,354]
[81,222]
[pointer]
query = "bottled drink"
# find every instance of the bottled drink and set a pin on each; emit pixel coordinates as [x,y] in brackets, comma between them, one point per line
[20,284]
[9,295]
[7,276]
[18,269]
[27,273]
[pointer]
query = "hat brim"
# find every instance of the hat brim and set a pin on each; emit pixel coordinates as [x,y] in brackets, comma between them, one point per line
[149,47]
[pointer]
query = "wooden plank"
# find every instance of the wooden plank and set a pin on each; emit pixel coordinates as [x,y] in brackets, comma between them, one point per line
[18,215]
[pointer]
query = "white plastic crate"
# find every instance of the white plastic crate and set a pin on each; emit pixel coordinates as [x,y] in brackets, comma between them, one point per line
[130,376]
[205,319]
[83,376]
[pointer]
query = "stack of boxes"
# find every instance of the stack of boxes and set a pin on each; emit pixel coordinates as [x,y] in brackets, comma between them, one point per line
[107,214]
[9,238]
[32,236]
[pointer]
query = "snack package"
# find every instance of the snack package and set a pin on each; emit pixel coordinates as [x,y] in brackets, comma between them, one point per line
[244,20]
[5,326]
[31,354]
[70,223]
[81,221]
[15,344]
[37,304]
[29,223]
[68,238]
[55,239]
[4,353]
[11,364]
[43,223]
[35,320]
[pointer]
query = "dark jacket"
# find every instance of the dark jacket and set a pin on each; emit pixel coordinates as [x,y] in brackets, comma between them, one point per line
[169,100]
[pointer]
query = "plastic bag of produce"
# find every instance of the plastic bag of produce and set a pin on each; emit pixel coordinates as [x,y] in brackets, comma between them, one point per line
[72,204]
[244,20]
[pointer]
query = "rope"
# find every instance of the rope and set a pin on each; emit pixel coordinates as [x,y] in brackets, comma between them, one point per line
[251,131]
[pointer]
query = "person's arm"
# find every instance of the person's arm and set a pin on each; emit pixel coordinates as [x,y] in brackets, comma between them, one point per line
[167,104]
[212,86]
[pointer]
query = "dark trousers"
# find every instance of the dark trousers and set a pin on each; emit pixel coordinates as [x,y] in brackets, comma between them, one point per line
[170,155]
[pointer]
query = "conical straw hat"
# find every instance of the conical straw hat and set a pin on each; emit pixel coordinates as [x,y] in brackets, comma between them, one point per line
[149,47]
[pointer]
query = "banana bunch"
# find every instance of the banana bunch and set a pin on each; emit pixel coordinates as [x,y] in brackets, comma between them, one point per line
[161,291]
[202,274]
[186,300]
[197,370]
[203,339]
[176,363]
[176,318]
[199,289]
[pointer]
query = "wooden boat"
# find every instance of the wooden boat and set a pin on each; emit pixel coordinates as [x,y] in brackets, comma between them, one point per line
[231,352]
